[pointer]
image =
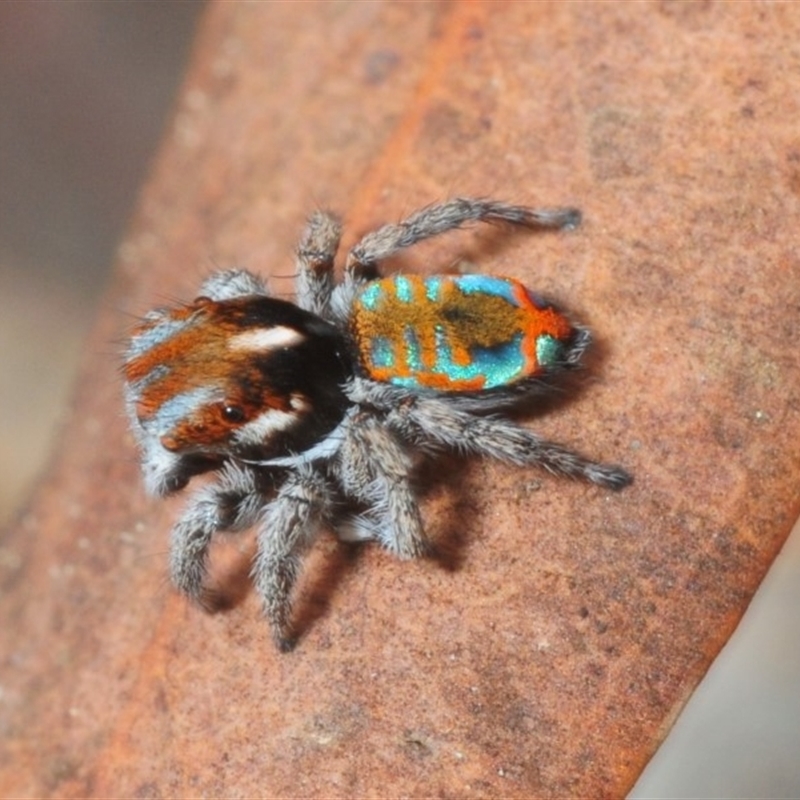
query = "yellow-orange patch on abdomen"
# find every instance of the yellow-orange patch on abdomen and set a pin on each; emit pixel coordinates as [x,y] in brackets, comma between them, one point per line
[455,333]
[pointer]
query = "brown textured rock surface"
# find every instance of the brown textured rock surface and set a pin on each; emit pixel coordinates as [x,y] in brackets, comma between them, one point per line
[551,656]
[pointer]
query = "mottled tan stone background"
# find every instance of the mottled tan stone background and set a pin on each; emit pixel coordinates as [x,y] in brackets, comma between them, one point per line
[85,92]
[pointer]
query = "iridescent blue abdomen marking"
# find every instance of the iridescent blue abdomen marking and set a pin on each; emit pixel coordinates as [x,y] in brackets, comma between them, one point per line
[456,333]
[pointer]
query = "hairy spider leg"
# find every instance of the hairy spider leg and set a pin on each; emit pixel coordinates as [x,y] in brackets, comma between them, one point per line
[314,262]
[442,217]
[289,525]
[233,503]
[376,469]
[417,419]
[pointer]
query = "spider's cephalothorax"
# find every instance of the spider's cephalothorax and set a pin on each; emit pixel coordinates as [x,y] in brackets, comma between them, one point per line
[312,414]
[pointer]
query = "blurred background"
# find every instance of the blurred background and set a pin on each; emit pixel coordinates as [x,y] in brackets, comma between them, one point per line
[85,93]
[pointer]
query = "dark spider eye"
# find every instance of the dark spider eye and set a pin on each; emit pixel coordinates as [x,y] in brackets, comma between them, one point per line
[232,413]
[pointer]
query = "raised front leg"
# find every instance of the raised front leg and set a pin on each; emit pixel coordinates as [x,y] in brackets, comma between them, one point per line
[442,217]
[231,504]
[315,255]
[287,529]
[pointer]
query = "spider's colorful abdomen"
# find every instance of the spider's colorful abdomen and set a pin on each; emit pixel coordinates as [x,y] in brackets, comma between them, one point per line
[456,333]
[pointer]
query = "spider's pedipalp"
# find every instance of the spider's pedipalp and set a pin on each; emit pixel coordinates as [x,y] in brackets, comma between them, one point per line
[442,217]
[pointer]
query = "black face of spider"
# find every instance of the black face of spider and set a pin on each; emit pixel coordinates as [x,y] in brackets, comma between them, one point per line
[251,376]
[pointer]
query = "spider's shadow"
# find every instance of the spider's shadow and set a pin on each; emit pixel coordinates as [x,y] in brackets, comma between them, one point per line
[441,481]
[323,572]
[326,568]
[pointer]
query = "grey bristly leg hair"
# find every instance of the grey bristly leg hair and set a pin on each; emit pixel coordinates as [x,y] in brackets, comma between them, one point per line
[498,438]
[230,283]
[375,468]
[288,526]
[442,217]
[314,259]
[426,421]
[232,503]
